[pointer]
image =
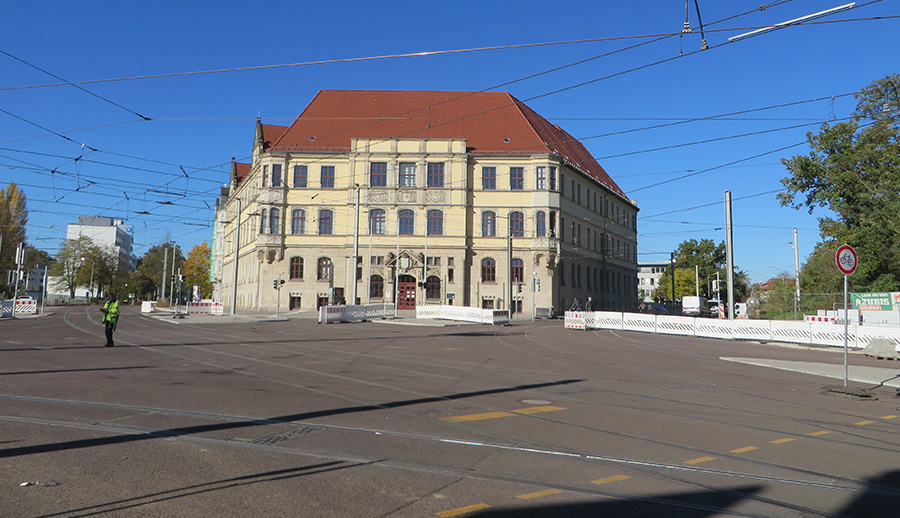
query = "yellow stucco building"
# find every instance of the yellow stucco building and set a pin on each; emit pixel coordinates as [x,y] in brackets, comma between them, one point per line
[464,198]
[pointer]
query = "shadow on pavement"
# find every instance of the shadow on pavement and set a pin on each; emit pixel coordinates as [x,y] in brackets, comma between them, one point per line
[190,430]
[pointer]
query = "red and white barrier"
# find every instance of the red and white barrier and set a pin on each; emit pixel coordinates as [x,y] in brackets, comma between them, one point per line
[206,307]
[810,318]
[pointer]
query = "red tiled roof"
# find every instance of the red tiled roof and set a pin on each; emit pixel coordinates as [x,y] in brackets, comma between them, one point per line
[271,134]
[241,171]
[491,123]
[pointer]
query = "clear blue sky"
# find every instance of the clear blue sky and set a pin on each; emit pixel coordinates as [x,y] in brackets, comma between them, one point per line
[198,122]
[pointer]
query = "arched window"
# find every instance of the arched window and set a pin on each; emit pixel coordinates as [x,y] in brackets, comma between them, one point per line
[488,270]
[433,287]
[263,220]
[323,271]
[274,221]
[296,270]
[407,222]
[540,228]
[376,221]
[326,222]
[488,224]
[376,287]
[518,270]
[435,223]
[517,224]
[298,221]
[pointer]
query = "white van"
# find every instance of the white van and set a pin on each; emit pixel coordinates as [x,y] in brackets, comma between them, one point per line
[695,306]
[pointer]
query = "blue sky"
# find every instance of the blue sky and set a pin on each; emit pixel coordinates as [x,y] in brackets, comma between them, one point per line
[77,152]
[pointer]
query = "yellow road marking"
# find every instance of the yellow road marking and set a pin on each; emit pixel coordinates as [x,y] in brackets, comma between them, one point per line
[537,409]
[476,417]
[607,480]
[699,460]
[890,417]
[745,449]
[863,423]
[539,494]
[781,441]
[495,415]
[463,510]
[820,432]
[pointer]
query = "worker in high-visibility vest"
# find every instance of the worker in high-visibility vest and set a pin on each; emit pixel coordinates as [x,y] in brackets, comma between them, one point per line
[110,317]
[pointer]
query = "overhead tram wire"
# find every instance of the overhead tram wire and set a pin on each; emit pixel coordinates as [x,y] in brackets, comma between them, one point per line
[546,72]
[597,57]
[67,82]
[719,139]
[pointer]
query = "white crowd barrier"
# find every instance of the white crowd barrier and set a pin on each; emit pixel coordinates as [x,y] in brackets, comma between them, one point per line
[808,332]
[206,307]
[336,313]
[464,314]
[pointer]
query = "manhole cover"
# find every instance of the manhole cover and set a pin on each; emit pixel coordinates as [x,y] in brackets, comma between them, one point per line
[535,401]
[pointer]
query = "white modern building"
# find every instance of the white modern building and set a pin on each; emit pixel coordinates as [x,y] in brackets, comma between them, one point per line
[106,233]
[648,276]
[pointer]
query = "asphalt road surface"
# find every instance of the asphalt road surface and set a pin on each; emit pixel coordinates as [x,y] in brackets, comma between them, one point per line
[240,417]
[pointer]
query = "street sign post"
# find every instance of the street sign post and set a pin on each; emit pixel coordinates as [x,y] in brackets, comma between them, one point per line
[847,261]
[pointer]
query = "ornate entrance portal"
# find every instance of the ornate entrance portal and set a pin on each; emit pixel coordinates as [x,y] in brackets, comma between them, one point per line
[406,292]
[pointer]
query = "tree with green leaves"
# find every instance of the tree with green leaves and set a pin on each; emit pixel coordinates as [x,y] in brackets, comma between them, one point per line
[150,268]
[196,269]
[70,263]
[853,170]
[708,258]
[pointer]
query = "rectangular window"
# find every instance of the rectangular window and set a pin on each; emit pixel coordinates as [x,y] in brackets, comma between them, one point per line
[449,275]
[299,176]
[540,178]
[578,195]
[376,260]
[407,176]
[436,174]
[553,178]
[433,261]
[516,178]
[449,261]
[265,175]
[488,178]
[276,175]
[327,177]
[378,174]
[562,185]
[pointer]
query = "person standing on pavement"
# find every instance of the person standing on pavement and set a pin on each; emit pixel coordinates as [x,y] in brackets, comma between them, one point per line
[110,312]
[589,304]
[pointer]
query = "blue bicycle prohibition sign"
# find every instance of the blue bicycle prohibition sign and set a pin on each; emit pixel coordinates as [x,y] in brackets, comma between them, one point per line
[846,259]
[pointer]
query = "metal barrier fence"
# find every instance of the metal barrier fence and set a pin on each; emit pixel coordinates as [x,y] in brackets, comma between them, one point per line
[334,313]
[464,314]
[812,333]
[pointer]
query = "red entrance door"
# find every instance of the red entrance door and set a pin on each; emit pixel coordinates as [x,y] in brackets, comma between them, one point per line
[406,292]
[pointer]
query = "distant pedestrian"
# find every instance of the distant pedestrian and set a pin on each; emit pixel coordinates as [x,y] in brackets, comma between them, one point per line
[576,305]
[110,312]
[589,304]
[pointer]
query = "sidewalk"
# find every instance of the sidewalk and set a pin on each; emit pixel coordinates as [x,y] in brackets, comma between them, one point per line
[404,317]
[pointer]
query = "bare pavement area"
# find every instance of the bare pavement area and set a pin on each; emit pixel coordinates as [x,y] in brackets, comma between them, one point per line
[253,416]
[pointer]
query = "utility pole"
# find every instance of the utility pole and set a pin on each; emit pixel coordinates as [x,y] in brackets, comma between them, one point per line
[796,275]
[697,278]
[237,250]
[509,271]
[165,269]
[355,265]
[729,255]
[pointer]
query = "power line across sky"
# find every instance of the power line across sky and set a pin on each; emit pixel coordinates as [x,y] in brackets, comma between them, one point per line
[644,97]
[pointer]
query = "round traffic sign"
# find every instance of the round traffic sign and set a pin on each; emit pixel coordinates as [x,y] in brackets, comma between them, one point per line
[846,259]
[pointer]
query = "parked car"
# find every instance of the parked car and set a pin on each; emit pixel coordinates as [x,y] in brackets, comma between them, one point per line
[694,306]
[653,307]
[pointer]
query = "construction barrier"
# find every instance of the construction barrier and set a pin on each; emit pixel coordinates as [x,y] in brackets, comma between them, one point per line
[808,332]
[205,307]
[464,314]
[21,306]
[341,313]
